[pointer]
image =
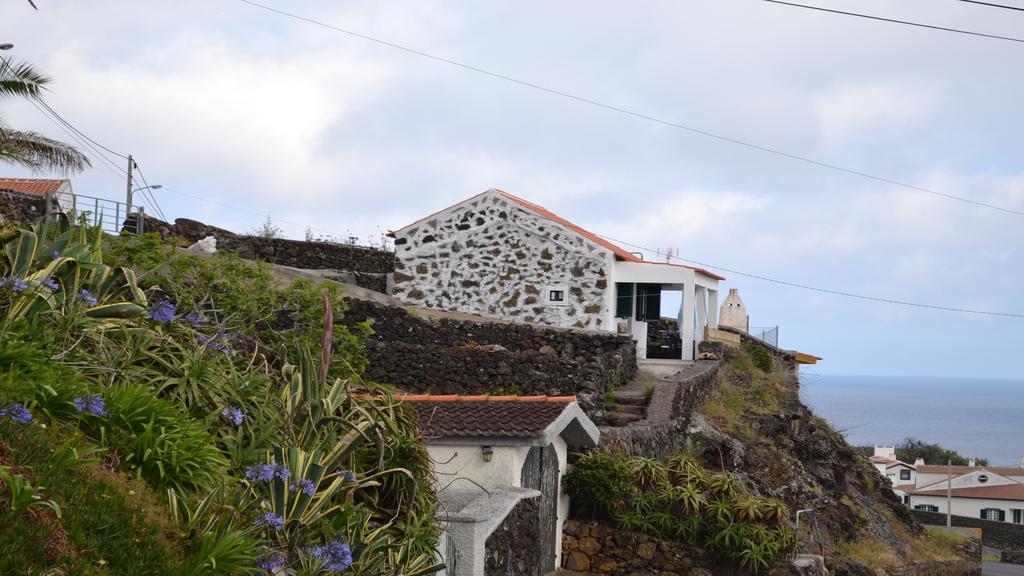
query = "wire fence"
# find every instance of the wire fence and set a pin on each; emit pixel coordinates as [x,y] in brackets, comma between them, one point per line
[769,335]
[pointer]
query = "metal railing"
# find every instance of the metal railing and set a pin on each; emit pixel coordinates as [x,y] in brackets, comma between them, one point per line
[769,335]
[108,215]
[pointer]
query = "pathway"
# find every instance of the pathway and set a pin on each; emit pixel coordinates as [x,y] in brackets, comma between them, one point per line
[1000,569]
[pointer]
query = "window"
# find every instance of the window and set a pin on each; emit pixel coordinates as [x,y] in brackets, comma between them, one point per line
[904,474]
[982,478]
[1017,516]
[557,295]
[993,514]
[926,508]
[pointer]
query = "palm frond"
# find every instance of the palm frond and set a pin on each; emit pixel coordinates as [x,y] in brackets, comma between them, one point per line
[35,151]
[23,80]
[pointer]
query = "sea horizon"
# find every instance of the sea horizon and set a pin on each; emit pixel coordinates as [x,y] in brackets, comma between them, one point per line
[979,417]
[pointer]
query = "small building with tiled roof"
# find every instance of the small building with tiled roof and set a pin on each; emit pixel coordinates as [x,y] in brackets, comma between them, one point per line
[25,199]
[498,255]
[499,462]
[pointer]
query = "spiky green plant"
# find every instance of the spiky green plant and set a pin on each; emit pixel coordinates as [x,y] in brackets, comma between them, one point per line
[22,495]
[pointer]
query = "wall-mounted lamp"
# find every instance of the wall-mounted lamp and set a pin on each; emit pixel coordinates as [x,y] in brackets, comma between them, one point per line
[488,453]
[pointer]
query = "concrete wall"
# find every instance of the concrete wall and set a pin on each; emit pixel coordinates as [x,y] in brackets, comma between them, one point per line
[466,461]
[492,257]
[970,507]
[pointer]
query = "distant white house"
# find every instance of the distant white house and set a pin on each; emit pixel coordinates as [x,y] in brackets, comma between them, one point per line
[991,493]
[498,255]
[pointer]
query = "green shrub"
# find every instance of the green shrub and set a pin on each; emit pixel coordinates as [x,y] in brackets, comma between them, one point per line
[598,483]
[760,356]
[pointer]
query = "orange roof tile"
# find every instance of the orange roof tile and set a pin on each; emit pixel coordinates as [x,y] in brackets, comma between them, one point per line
[486,416]
[34,186]
[957,470]
[1000,492]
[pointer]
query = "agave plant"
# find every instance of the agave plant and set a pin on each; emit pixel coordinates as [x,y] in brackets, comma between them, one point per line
[649,473]
[61,269]
[725,485]
[750,508]
[690,499]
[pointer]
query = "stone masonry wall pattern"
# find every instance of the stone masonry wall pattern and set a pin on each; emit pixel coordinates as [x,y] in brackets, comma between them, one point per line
[511,550]
[494,258]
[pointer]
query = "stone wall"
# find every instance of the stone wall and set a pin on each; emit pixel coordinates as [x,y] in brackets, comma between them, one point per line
[593,548]
[294,253]
[1013,556]
[21,208]
[1002,535]
[951,568]
[669,413]
[449,356]
[511,550]
[492,257]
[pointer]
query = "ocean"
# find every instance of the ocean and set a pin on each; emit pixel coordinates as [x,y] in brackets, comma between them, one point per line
[980,418]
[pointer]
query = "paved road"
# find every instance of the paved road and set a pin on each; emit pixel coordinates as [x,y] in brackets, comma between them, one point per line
[999,569]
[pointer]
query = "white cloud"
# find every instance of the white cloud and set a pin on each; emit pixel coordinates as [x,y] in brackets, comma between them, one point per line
[858,109]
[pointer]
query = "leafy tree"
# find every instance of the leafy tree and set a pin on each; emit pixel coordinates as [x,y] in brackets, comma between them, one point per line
[27,148]
[267,229]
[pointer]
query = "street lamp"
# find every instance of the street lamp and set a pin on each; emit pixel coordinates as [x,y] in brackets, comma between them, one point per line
[6,46]
[152,187]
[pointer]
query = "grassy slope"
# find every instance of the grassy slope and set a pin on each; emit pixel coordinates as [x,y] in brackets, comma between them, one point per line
[781,449]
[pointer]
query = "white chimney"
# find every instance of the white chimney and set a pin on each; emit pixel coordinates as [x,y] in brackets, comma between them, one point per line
[971,463]
[919,462]
[887,452]
[1021,465]
[733,312]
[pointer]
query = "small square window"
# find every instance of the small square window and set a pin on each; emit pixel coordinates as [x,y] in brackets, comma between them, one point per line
[557,295]
[904,474]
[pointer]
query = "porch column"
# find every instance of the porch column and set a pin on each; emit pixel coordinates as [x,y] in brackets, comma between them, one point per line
[712,309]
[686,324]
[702,312]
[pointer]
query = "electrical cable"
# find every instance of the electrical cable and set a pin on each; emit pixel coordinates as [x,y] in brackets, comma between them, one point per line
[892,20]
[1004,6]
[818,289]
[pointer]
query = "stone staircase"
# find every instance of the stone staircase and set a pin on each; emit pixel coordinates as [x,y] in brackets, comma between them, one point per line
[629,403]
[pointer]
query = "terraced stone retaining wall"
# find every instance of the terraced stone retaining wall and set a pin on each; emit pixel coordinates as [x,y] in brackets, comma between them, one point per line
[21,208]
[369,267]
[669,413]
[594,548]
[1002,535]
[448,356]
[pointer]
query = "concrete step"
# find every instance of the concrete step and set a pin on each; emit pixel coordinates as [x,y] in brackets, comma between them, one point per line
[620,419]
[634,398]
[629,409]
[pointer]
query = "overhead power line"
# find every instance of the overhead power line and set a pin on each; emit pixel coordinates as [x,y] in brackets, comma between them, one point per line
[894,21]
[815,288]
[1018,8]
[640,115]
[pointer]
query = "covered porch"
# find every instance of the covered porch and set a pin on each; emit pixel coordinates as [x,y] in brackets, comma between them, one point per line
[666,308]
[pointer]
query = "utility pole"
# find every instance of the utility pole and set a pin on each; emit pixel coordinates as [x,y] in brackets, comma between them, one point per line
[128,209]
[949,492]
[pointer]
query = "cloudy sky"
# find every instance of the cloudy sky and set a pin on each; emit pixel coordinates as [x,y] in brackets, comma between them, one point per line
[258,114]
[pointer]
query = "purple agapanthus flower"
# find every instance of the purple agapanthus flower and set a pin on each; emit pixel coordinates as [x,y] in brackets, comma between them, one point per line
[214,342]
[192,319]
[306,485]
[161,311]
[270,520]
[17,413]
[87,297]
[13,283]
[233,414]
[261,472]
[54,255]
[272,561]
[347,476]
[335,556]
[281,472]
[90,403]
[50,283]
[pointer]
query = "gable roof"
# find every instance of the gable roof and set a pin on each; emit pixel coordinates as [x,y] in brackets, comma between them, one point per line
[960,470]
[33,186]
[1000,492]
[532,420]
[619,252]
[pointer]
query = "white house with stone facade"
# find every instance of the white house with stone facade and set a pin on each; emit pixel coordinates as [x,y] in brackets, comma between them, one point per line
[497,255]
